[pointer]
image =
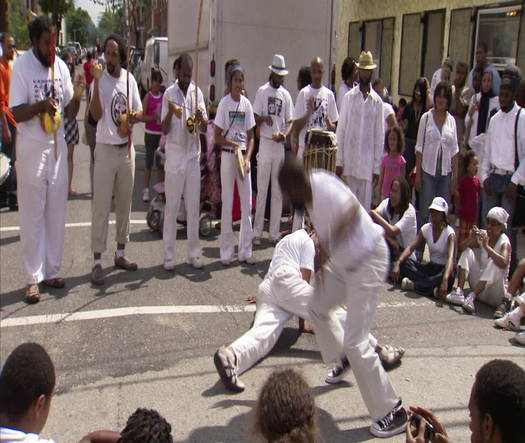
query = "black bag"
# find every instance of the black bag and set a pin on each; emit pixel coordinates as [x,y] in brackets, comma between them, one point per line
[518,219]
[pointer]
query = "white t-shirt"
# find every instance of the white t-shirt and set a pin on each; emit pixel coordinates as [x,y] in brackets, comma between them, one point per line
[330,197]
[296,250]
[235,119]
[113,97]
[11,435]
[407,224]
[343,89]
[324,105]
[439,250]
[388,110]
[276,103]
[31,83]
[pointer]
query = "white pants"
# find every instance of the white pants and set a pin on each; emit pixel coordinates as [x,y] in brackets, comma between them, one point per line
[496,286]
[42,198]
[280,296]
[362,189]
[185,182]
[359,289]
[269,160]
[229,176]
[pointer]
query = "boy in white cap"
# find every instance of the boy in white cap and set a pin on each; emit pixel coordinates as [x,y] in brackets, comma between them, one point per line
[485,263]
[273,109]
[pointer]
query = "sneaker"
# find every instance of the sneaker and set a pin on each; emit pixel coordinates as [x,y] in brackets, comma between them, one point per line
[337,374]
[256,241]
[509,321]
[520,338]
[227,261]
[393,423]
[145,195]
[97,275]
[124,263]
[169,265]
[503,308]
[407,284]
[390,355]
[224,360]
[456,297]
[249,260]
[468,304]
[32,294]
[195,262]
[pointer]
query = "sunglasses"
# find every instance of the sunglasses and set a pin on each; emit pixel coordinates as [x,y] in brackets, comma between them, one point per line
[11,45]
[492,222]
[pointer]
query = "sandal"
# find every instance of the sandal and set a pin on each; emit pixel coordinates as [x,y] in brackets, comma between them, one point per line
[57,283]
[389,355]
[32,294]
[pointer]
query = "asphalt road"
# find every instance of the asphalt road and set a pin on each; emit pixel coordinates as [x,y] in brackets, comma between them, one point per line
[146,338]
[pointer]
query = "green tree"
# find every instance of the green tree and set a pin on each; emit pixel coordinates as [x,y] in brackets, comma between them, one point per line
[18,23]
[113,21]
[80,27]
[57,8]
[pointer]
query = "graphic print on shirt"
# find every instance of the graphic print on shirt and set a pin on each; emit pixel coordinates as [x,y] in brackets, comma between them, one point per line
[119,106]
[275,106]
[42,90]
[237,130]
[317,120]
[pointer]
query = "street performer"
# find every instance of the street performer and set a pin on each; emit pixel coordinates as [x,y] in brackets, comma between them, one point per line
[114,171]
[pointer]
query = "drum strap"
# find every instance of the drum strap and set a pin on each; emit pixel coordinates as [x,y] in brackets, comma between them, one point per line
[232,120]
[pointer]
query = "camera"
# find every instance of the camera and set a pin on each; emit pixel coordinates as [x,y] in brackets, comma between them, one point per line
[429,428]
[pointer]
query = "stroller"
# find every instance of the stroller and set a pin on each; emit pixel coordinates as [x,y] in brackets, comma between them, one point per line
[155,215]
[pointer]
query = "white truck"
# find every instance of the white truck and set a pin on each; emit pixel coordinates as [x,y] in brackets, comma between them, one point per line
[252,31]
[155,57]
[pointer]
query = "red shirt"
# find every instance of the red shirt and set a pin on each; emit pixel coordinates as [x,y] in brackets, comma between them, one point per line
[469,192]
[5,83]
[87,71]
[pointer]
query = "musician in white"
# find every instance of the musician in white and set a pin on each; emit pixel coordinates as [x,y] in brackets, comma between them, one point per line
[42,156]
[360,134]
[182,167]
[234,124]
[273,108]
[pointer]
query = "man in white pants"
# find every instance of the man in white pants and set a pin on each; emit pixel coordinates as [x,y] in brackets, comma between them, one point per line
[182,167]
[285,291]
[361,135]
[41,157]
[273,108]
[354,275]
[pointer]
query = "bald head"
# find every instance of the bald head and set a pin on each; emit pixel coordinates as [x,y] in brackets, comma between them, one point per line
[317,72]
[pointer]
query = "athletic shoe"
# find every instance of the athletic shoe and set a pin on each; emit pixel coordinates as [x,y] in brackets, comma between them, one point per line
[169,265]
[407,284]
[256,241]
[224,360]
[124,263]
[337,374]
[249,260]
[503,308]
[97,275]
[393,423]
[520,338]
[468,304]
[390,355]
[228,261]
[196,262]
[509,321]
[145,195]
[456,297]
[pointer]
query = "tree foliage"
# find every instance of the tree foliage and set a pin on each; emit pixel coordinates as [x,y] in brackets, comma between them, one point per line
[18,23]
[113,21]
[80,27]
[57,8]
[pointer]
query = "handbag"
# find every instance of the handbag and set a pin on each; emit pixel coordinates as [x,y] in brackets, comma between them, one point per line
[518,219]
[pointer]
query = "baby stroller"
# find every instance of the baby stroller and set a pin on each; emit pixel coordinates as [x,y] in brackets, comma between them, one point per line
[155,215]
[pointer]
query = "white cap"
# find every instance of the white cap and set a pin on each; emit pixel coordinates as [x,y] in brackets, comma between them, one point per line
[278,66]
[439,204]
[499,214]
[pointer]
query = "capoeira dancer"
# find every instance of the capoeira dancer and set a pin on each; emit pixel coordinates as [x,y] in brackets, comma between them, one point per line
[273,108]
[285,291]
[114,172]
[353,272]
[234,124]
[41,165]
[315,108]
[183,174]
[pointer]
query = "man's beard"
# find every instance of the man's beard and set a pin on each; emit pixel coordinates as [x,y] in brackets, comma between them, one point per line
[111,68]
[45,61]
[364,81]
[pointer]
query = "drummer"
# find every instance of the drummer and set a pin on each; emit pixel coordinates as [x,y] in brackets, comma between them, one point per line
[360,134]
[315,108]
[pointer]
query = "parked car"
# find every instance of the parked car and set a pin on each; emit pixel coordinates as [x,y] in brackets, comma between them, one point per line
[155,57]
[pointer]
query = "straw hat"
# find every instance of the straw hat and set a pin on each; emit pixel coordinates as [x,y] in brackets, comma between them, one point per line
[366,61]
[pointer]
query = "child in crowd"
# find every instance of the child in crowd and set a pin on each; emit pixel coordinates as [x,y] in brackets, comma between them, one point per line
[285,410]
[392,164]
[469,197]
[400,110]
[152,105]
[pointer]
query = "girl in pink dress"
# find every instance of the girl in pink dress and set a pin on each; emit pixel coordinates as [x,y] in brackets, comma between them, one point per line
[392,164]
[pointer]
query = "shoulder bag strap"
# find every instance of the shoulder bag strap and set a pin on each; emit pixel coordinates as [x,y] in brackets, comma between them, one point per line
[516,157]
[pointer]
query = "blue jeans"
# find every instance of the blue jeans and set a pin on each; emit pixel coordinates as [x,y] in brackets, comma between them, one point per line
[432,186]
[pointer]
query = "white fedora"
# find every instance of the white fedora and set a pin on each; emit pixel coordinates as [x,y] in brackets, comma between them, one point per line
[278,66]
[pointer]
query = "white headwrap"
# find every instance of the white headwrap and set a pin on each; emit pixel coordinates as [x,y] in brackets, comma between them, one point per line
[499,214]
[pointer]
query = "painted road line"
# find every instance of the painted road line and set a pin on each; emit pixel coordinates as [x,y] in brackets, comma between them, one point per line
[72,225]
[149,310]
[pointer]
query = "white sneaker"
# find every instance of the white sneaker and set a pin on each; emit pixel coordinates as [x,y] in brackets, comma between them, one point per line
[456,297]
[249,260]
[196,262]
[337,374]
[509,321]
[169,265]
[225,363]
[520,338]
[256,241]
[468,304]
[145,195]
[407,284]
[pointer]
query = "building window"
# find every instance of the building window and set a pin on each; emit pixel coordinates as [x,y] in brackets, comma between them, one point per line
[354,40]
[434,22]
[410,63]
[460,36]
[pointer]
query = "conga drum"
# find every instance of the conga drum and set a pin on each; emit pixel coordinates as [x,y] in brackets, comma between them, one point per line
[320,150]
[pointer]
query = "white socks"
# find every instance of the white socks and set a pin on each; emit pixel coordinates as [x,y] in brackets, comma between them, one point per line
[119,253]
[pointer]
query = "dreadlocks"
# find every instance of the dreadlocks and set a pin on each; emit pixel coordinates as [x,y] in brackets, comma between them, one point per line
[146,426]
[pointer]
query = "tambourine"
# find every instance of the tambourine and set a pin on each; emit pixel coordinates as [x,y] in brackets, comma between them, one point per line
[50,124]
[190,124]
[239,163]
[124,127]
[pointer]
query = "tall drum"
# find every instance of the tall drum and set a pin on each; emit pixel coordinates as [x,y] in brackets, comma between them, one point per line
[320,150]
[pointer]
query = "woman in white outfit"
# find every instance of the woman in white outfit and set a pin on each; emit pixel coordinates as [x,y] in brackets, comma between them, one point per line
[485,264]
[234,124]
